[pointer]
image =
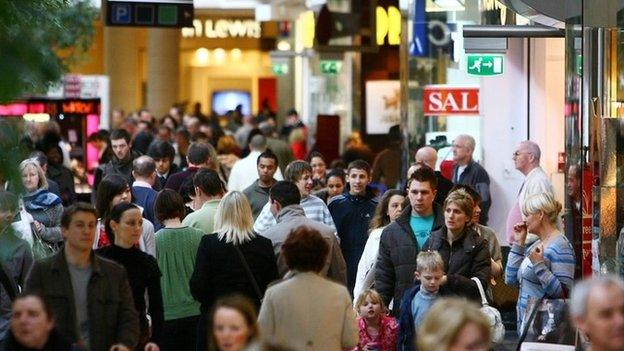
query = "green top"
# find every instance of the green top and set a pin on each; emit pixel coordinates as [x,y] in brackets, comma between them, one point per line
[203,219]
[176,249]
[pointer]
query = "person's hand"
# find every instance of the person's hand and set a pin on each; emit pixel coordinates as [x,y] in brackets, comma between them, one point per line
[444,280]
[151,347]
[371,346]
[520,233]
[38,226]
[537,254]
[119,347]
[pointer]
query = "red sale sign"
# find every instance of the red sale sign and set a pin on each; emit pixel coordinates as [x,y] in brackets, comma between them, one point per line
[443,100]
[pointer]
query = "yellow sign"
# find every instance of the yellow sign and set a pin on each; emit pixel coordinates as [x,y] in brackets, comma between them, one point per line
[388,25]
[224,28]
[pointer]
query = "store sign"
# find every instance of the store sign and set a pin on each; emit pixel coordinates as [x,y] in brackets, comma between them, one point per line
[442,100]
[79,107]
[388,26]
[149,13]
[223,29]
[485,65]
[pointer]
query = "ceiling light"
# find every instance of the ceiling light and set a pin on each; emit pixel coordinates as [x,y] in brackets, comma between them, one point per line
[283,45]
[202,56]
[36,117]
[236,54]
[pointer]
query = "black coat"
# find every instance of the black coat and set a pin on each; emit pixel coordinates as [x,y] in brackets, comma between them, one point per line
[352,215]
[396,262]
[444,188]
[219,271]
[476,176]
[467,257]
[65,182]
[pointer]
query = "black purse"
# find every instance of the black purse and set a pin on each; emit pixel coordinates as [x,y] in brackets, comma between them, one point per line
[254,283]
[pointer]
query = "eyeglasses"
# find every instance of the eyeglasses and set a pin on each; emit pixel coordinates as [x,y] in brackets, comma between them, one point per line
[456,146]
[518,153]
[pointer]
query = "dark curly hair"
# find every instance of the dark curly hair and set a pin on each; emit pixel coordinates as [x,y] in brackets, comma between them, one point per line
[305,250]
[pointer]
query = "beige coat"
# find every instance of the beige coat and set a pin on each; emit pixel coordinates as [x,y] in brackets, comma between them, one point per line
[308,312]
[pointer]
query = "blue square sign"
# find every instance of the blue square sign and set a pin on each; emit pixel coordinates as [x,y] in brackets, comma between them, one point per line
[121,13]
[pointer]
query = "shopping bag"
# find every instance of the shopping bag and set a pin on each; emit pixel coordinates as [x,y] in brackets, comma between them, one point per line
[547,322]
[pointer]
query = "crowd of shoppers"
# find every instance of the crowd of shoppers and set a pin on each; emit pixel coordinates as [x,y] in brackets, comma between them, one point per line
[196,243]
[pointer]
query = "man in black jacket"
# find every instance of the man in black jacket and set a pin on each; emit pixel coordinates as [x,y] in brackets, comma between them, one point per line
[352,212]
[403,239]
[467,171]
[122,158]
[90,296]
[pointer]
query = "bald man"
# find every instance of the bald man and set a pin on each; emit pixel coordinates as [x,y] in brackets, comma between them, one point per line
[527,160]
[429,156]
[144,173]
[467,171]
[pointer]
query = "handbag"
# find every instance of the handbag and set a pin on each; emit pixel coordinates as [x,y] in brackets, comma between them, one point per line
[41,248]
[252,279]
[497,328]
[547,325]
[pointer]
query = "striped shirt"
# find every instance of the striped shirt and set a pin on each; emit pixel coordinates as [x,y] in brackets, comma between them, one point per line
[314,208]
[544,279]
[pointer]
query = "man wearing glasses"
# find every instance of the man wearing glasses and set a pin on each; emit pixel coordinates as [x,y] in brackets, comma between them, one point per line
[466,171]
[536,181]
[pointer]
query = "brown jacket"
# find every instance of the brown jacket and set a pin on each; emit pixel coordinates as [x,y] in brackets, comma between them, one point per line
[307,312]
[112,316]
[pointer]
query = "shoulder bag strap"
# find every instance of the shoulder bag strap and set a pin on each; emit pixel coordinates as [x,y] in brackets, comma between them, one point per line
[481,291]
[7,283]
[249,274]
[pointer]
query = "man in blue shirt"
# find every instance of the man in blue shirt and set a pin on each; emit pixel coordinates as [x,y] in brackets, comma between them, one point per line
[402,239]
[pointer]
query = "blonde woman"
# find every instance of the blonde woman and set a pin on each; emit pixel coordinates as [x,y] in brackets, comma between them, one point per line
[45,207]
[232,260]
[464,252]
[454,325]
[546,267]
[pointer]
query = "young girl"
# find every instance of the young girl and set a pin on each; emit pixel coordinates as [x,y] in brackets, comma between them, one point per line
[378,331]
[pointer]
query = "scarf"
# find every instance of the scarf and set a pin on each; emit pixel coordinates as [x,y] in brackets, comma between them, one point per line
[40,200]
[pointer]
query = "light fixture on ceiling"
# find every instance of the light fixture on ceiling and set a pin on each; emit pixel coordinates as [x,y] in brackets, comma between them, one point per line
[445,5]
[236,54]
[283,45]
[36,117]
[202,57]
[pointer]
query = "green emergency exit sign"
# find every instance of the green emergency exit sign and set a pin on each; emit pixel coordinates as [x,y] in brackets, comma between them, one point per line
[485,65]
[331,67]
[280,69]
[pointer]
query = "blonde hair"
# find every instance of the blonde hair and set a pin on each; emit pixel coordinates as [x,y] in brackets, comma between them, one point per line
[462,199]
[233,219]
[545,203]
[43,182]
[429,261]
[373,295]
[444,322]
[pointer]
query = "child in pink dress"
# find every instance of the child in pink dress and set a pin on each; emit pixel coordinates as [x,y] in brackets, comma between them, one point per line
[378,330]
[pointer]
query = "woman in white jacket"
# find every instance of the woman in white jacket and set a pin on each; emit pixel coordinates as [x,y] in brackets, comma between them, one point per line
[388,209]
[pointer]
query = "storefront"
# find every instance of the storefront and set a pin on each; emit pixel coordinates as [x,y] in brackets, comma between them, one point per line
[224,62]
[556,82]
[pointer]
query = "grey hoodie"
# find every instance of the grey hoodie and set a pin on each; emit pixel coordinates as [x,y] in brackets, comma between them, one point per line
[292,217]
